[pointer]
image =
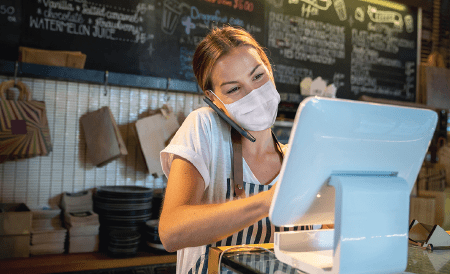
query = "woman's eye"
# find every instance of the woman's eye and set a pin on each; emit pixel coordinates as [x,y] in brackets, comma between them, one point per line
[233,90]
[258,76]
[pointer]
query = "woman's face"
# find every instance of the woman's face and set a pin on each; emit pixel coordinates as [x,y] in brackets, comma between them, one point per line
[236,74]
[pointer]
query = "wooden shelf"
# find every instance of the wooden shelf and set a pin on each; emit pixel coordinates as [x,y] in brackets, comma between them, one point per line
[79,262]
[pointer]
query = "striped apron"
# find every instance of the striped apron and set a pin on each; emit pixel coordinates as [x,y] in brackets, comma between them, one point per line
[258,233]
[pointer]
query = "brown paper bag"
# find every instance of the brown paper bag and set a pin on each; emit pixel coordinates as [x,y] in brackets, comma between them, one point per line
[103,140]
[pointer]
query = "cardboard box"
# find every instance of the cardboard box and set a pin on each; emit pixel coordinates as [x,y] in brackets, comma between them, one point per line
[15,219]
[441,206]
[422,209]
[15,227]
[74,59]
[14,246]
[84,244]
[214,254]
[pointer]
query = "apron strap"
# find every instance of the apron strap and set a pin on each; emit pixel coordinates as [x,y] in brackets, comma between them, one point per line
[238,173]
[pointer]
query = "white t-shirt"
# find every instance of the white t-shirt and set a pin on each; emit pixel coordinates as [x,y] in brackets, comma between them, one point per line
[204,139]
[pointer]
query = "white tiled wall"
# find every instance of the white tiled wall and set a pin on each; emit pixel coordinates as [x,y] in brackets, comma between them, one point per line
[39,181]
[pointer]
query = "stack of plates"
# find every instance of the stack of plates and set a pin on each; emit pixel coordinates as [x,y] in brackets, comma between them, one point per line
[123,208]
[151,235]
[123,243]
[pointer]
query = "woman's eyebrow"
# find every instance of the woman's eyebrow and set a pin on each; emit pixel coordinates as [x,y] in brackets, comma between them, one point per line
[227,83]
[253,70]
[235,82]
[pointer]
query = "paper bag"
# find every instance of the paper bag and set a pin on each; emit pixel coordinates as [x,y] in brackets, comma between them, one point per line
[24,130]
[153,132]
[103,140]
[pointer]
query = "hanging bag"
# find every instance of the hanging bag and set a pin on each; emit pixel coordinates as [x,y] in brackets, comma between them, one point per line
[24,130]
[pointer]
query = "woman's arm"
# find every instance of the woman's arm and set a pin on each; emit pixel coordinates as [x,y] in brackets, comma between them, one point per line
[184,222]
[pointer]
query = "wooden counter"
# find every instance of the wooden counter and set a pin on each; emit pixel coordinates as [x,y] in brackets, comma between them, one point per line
[79,262]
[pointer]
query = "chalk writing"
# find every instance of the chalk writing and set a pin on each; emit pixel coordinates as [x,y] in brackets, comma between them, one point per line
[192,40]
[308,10]
[208,21]
[185,63]
[207,18]
[9,12]
[290,97]
[366,59]
[389,91]
[64,16]
[305,39]
[60,5]
[338,80]
[253,28]
[380,42]
[290,75]
[93,19]
[276,3]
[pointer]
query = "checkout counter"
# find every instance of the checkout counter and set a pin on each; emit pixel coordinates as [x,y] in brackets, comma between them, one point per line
[263,262]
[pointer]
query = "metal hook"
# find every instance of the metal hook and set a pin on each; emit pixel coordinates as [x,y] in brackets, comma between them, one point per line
[106,83]
[166,95]
[16,69]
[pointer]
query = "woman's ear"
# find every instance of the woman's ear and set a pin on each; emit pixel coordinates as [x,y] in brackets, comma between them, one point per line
[211,96]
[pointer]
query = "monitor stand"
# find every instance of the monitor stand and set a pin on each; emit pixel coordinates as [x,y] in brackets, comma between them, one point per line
[370,233]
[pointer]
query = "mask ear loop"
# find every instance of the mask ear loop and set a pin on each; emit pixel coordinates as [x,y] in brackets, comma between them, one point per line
[216,96]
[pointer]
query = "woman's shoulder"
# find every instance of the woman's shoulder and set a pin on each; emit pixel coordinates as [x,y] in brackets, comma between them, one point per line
[203,116]
[202,113]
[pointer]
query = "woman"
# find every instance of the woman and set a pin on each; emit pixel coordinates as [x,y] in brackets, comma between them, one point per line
[200,209]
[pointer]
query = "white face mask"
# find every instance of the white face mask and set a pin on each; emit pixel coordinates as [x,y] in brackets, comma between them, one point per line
[257,110]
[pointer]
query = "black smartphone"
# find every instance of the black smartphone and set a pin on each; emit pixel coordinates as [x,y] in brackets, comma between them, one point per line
[227,119]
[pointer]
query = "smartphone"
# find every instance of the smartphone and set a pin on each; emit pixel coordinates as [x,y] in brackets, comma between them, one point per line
[227,119]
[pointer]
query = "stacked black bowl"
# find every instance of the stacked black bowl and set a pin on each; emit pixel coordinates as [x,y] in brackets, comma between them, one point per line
[151,235]
[123,243]
[122,210]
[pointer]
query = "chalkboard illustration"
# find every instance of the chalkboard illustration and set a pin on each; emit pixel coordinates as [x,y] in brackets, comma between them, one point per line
[172,10]
[276,3]
[321,5]
[339,6]
[150,50]
[186,21]
[409,23]
[359,14]
[378,16]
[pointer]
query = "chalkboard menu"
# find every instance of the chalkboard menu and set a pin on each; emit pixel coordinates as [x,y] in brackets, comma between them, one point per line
[144,37]
[10,21]
[361,47]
